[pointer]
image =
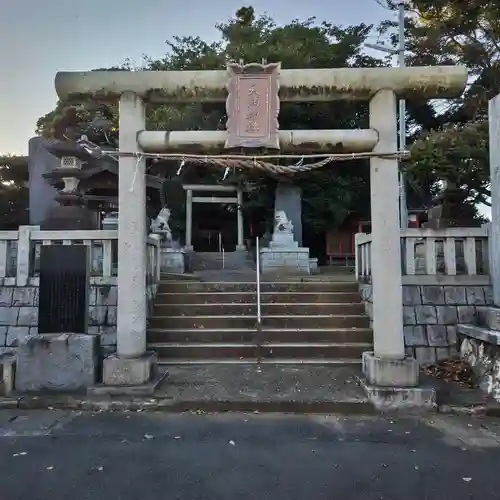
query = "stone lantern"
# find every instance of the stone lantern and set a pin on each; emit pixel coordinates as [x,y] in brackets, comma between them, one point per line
[71,212]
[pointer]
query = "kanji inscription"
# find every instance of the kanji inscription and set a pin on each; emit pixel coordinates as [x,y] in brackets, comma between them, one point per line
[252,106]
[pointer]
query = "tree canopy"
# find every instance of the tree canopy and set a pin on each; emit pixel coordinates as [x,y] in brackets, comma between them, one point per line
[447,140]
[331,193]
[451,138]
[13,191]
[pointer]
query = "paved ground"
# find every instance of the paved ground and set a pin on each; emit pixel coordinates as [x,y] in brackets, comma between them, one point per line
[132,456]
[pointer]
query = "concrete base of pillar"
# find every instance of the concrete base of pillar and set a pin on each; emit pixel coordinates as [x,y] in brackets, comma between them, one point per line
[391,384]
[390,372]
[146,389]
[129,371]
[240,248]
[422,398]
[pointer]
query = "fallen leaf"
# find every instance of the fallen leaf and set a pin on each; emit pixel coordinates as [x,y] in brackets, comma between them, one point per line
[148,436]
[50,467]
[467,479]
[232,443]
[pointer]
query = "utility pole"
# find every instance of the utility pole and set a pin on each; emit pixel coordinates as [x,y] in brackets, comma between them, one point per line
[403,209]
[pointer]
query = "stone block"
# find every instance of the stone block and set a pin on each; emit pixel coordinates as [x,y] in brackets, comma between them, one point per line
[97,315]
[28,316]
[400,398]
[106,295]
[415,335]
[3,336]
[111,315]
[426,315]
[455,295]
[425,355]
[57,362]
[432,295]
[108,335]
[488,295]
[8,316]
[436,335]
[451,333]
[409,317]
[172,261]
[443,353]
[16,335]
[475,296]
[6,293]
[390,372]
[447,315]
[411,295]
[25,296]
[129,371]
[466,314]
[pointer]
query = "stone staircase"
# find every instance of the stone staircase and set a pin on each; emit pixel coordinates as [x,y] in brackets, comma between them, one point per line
[302,322]
[213,261]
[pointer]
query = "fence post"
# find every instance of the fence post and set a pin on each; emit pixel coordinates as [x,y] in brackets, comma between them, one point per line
[356,255]
[24,254]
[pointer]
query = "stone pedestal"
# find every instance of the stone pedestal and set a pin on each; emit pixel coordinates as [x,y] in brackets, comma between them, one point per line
[284,255]
[57,362]
[172,260]
[119,371]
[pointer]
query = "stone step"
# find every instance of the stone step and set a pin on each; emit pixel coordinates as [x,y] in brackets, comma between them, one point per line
[200,261]
[480,333]
[284,286]
[249,321]
[249,350]
[251,297]
[268,361]
[268,309]
[488,317]
[276,335]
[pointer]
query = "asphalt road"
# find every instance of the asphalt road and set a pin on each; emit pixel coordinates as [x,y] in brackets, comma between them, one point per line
[142,456]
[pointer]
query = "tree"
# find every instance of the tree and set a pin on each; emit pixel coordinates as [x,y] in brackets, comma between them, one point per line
[451,139]
[332,193]
[13,192]
[457,154]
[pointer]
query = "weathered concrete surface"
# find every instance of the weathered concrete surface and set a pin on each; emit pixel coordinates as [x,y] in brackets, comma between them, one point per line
[213,141]
[299,85]
[66,362]
[264,386]
[138,455]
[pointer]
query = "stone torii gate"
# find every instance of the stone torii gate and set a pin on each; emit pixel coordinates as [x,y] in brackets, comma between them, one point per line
[387,365]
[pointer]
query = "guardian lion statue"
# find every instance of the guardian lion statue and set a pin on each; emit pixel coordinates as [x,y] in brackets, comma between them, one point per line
[283,225]
[159,224]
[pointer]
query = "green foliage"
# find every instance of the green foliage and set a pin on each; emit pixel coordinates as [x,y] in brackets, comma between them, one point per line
[452,137]
[13,192]
[457,154]
[329,195]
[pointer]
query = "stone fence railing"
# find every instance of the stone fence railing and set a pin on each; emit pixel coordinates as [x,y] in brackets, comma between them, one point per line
[429,257]
[20,254]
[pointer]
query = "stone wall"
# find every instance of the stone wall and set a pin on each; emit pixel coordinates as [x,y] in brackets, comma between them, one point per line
[483,356]
[19,313]
[430,316]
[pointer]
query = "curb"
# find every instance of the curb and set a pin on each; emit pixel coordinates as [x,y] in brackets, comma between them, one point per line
[57,402]
[170,406]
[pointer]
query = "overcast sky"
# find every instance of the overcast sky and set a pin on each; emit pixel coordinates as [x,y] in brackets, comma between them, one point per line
[40,37]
